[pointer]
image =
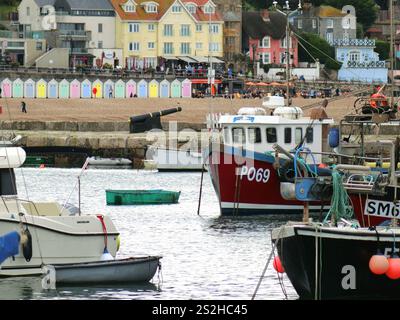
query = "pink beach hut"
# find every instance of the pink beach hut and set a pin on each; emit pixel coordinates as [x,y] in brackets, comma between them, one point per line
[75,89]
[130,89]
[186,88]
[6,88]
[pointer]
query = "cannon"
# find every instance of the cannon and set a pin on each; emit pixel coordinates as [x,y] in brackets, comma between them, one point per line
[149,121]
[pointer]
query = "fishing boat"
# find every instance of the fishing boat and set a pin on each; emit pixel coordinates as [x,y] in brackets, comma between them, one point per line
[54,234]
[141,197]
[129,270]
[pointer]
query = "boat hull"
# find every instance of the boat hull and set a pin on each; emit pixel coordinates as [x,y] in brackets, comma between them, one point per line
[59,239]
[340,256]
[247,183]
[141,197]
[115,271]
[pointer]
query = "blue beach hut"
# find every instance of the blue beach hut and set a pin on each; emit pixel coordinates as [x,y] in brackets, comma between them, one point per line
[164,89]
[86,89]
[29,88]
[142,89]
[52,89]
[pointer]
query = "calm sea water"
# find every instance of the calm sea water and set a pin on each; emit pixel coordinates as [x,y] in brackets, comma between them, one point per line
[205,256]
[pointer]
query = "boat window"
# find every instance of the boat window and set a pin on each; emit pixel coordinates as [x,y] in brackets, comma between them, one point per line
[254,135]
[238,135]
[271,135]
[288,135]
[310,135]
[298,135]
[226,135]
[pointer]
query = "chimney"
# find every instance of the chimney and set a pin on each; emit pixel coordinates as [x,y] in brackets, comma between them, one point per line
[265,15]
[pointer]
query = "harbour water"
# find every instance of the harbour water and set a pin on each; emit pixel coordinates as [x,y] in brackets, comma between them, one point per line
[205,256]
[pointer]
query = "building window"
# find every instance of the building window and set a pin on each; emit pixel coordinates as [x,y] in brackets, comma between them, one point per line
[134,27]
[284,43]
[151,62]
[134,46]
[265,42]
[283,57]
[168,28]
[100,28]
[226,135]
[199,27]
[39,46]
[168,48]
[329,36]
[329,24]
[191,8]
[185,30]
[151,8]
[288,135]
[254,135]
[266,57]
[314,23]
[28,11]
[151,45]
[185,48]
[100,45]
[300,24]
[271,135]
[238,135]
[130,8]
[209,9]
[214,28]
[151,27]
[199,45]
[214,47]
[176,8]
[354,56]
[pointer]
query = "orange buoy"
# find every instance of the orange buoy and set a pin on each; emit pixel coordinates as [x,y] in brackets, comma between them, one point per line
[393,271]
[378,264]
[278,265]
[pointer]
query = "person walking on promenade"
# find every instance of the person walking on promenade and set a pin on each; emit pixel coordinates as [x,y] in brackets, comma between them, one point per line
[23,107]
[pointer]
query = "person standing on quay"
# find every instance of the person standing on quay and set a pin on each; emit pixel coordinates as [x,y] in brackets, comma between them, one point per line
[23,107]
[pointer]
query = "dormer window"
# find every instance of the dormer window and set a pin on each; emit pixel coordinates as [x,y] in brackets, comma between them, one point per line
[209,9]
[150,7]
[191,8]
[129,6]
[176,8]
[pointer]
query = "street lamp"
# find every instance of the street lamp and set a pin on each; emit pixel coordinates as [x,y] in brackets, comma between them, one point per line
[287,53]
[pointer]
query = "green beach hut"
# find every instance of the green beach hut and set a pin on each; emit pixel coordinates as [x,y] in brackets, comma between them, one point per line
[120,89]
[176,89]
[18,88]
[63,89]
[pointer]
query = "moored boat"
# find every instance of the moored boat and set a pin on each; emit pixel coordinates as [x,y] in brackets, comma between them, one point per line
[129,270]
[141,197]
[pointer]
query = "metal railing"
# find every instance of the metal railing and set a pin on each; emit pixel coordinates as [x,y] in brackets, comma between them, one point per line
[353,42]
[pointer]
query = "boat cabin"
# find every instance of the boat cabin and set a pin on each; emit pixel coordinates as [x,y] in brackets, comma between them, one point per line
[286,126]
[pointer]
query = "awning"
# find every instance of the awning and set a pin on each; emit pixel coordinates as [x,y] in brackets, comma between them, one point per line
[170,58]
[216,60]
[187,59]
[201,59]
[204,81]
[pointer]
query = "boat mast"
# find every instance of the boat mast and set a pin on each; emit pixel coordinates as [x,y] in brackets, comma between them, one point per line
[391,53]
[287,54]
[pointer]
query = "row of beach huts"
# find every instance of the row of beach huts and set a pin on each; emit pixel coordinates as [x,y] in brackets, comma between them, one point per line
[87,89]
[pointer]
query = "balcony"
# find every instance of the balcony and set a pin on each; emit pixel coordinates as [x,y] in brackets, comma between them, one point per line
[20,35]
[367,65]
[78,50]
[353,43]
[75,35]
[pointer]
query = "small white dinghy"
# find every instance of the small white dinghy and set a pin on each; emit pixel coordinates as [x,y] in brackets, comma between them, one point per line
[130,270]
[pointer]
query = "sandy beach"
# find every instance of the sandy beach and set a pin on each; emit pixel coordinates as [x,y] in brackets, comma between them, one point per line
[99,110]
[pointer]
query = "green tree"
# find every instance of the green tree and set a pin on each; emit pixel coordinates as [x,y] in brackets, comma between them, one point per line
[317,48]
[383,49]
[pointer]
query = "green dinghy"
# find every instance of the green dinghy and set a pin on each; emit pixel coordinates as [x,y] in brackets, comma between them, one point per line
[141,197]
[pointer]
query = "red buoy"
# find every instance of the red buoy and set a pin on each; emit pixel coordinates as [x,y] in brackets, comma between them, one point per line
[394,268]
[278,265]
[378,264]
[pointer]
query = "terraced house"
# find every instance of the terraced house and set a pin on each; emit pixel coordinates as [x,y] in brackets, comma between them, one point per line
[151,32]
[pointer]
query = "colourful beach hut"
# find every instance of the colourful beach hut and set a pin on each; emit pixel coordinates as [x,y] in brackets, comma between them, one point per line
[29,88]
[130,89]
[75,89]
[120,89]
[142,89]
[86,89]
[52,89]
[98,85]
[109,90]
[186,88]
[63,89]
[153,89]
[41,89]
[164,89]
[176,89]
[18,88]
[6,88]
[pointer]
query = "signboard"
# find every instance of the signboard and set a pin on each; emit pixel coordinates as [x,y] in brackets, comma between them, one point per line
[383,209]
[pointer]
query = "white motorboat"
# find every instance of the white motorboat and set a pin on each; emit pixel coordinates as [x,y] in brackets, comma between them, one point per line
[55,235]
[130,270]
[178,160]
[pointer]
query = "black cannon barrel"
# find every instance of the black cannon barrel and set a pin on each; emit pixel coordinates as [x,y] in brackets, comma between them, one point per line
[149,121]
[161,113]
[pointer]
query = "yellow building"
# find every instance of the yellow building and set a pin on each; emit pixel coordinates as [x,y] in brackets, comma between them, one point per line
[151,31]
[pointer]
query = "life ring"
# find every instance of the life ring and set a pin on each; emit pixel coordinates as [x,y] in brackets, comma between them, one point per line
[27,244]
